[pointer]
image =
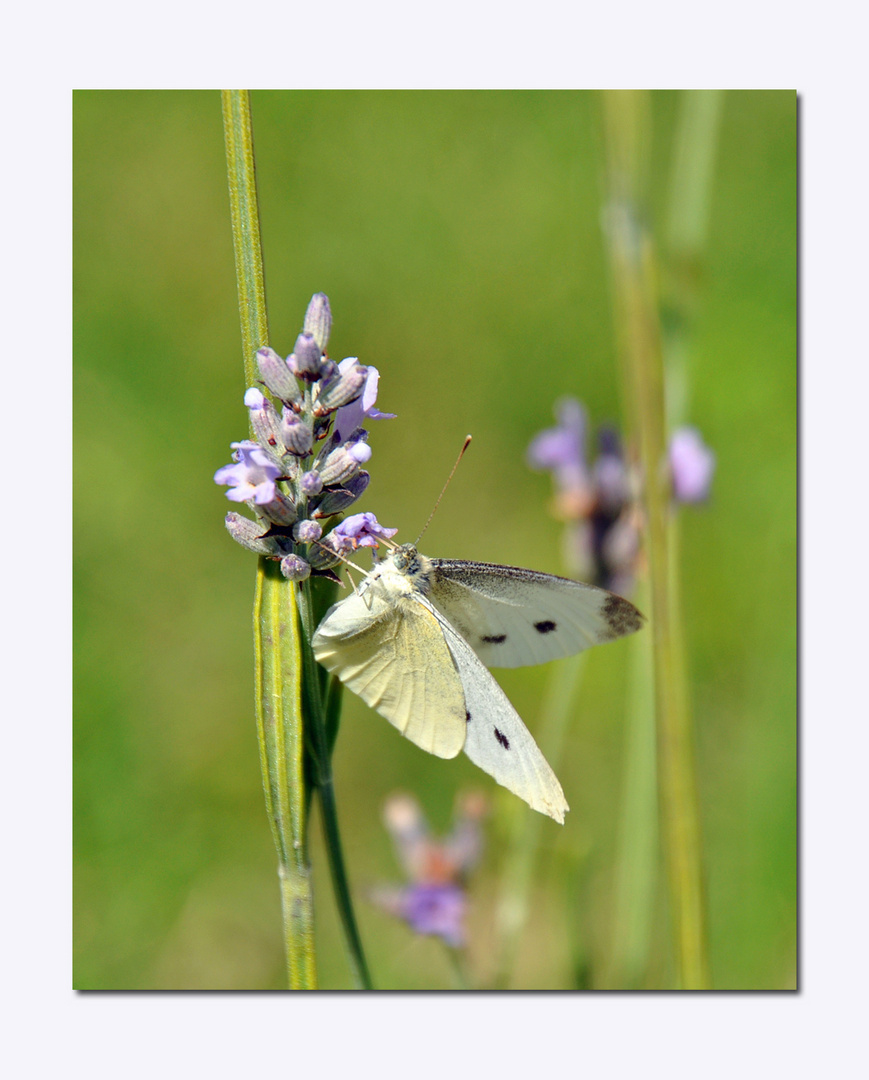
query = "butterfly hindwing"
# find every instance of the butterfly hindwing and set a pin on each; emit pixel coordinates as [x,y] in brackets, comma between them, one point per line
[497,740]
[391,651]
[512,617]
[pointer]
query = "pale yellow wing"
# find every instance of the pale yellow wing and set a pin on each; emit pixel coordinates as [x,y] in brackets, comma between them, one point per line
[398,662]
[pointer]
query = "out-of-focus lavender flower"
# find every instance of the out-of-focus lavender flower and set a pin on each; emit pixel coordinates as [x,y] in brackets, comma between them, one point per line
[590,498]
[360,530]
[304,466]
[600,501]
[692,465]
[434,901]
[561,450]
[252,477]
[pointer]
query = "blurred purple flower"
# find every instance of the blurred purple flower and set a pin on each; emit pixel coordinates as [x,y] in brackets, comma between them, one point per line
[252,477]
[561,450]
[599,502]
[360,530]
[692,465]
[434,902]
[438,910]
[589,498]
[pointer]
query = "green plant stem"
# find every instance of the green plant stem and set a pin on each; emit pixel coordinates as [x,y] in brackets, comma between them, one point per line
[318,730]
[459,968]
[627,134]
[244,209]
[278,650]
[636,862]
[687,219]
[278,675]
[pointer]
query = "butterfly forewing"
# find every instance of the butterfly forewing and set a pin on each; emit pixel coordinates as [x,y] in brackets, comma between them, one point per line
[513,617]
[390,650]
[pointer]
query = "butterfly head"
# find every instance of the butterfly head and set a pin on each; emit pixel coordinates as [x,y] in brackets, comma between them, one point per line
[410,564]
[405,558]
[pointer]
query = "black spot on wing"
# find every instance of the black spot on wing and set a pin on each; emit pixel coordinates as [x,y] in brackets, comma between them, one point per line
[494,639]
[621,616]
[502,738]
[467,717]
[546,626]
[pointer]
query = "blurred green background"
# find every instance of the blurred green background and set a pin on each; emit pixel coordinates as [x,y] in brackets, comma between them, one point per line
[458,237]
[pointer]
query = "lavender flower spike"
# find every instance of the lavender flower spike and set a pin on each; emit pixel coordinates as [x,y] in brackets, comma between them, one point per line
[360,530]
[692,464]
[252,477]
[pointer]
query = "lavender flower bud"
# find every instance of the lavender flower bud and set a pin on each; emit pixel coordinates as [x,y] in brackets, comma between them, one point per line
[342,390]
[328,369]
[307,532]
[277,376]
[334,502]
[338,467]
[360,450]
[297,436]
[281,510]
[295,568]
[249,534]
[322,555]
[264,420]
[318,319]
[306,358]
[311,484]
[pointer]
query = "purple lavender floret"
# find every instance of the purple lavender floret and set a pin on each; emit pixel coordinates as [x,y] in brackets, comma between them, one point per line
[361,530]
[353,416]
[692,465]
[252,477]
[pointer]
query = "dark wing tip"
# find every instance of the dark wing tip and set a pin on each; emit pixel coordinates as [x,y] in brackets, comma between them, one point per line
[621,616]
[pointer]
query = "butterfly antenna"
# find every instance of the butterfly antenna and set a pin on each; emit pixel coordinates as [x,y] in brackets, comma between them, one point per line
[465,446]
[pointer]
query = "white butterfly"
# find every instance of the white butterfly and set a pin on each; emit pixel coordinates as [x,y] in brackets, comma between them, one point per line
[412,642]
